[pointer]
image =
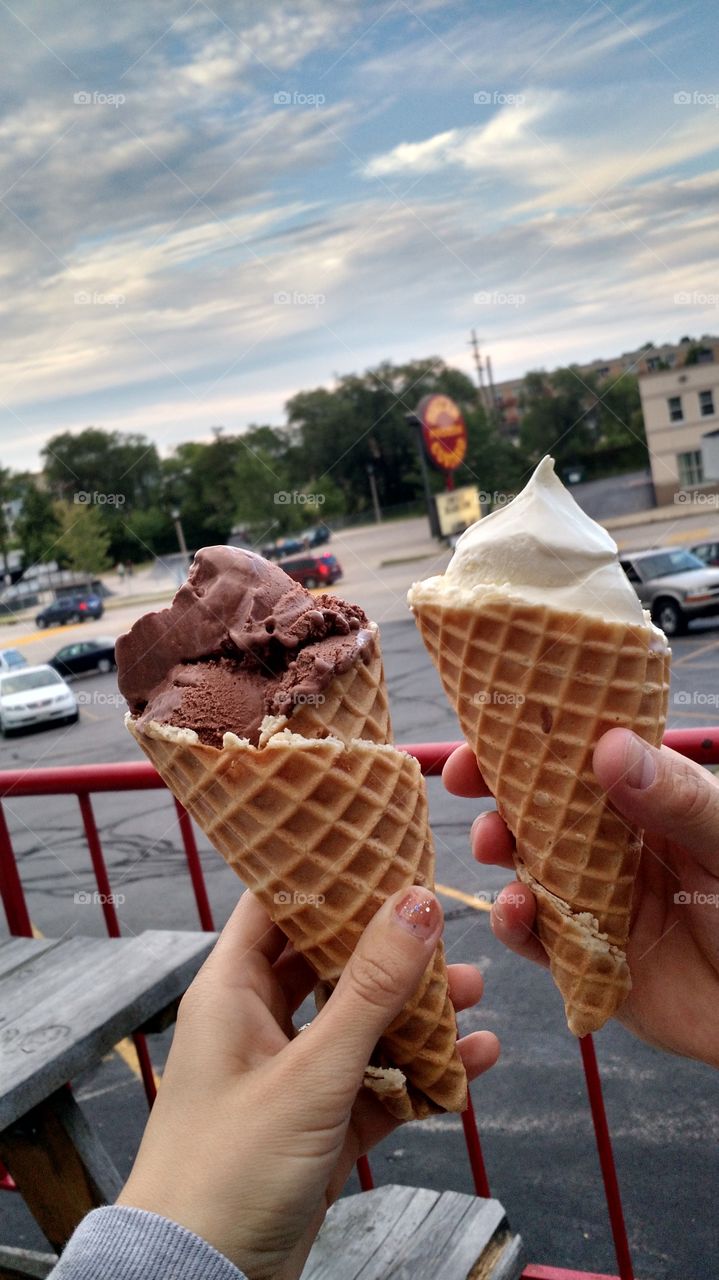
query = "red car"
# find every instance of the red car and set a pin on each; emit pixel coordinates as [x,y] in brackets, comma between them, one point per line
[313,571]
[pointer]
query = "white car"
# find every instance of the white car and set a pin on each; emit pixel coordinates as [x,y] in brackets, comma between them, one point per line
[35,695]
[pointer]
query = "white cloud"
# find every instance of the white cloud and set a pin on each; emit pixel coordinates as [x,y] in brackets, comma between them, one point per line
[198,199]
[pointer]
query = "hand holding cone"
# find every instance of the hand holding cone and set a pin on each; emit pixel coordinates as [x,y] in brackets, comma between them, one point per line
[324,826]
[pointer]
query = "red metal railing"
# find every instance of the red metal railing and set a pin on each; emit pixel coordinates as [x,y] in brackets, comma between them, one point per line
[701,745]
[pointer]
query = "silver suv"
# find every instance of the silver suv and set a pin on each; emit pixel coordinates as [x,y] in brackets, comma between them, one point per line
[675,585]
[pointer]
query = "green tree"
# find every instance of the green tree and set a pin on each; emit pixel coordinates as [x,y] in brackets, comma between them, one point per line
[559,416]
[6,493]
[493,463]
[84,540]
[595,427]
[125,467]
[362,422]
[36,528]
[621,423]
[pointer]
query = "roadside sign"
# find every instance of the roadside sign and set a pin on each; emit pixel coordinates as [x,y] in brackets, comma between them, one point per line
[457,510]
[443,432]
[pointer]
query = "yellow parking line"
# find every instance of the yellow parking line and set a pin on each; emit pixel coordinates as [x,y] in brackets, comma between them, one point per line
[33,636]
[695,653]
[478,903]
[125,1049]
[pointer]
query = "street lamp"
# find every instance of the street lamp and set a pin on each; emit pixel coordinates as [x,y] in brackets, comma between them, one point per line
[175,513]
[373,491]
[416,422]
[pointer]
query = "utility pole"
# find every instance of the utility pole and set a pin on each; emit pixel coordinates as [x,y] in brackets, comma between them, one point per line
[493,397]
[483,391]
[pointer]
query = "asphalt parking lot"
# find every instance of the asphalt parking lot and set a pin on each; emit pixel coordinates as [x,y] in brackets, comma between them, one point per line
[531,1109]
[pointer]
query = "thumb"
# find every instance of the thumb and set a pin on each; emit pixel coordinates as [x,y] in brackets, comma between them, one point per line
[661,791]
[381,975]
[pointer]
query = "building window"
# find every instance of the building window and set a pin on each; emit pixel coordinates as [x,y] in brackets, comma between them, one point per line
[705,355]
[654,363]
[706,403]
[676,413]
[690,467]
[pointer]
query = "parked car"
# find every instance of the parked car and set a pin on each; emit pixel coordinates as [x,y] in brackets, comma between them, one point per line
[675,585]
[313,571]
[11,659]
[35,695]
[70,608]
[85,655]
[708,552]
[318,536]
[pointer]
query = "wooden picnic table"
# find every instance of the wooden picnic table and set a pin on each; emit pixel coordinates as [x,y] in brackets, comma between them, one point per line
[412,1233]
[63,1005]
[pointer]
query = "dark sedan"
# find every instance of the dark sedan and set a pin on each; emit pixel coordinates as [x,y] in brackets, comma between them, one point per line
[86,655]
[70,608]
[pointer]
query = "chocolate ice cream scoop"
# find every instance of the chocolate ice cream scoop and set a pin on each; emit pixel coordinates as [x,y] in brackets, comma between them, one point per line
[240,640]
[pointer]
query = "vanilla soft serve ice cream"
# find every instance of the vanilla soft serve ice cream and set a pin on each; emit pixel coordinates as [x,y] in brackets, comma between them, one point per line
[542,646]
[542,549]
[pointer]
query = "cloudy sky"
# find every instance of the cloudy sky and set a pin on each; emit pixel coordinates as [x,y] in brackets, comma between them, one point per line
[206,207]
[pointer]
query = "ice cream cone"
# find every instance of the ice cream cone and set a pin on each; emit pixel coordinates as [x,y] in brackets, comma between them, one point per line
[354,705]
[323,832]
[534,689]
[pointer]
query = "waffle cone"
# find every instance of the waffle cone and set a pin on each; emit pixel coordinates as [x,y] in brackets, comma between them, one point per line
[324,832]
[354,705]
[534,689]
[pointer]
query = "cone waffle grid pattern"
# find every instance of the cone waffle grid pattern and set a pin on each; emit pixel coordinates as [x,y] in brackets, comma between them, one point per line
[354,705]
[534,689]
[323,835]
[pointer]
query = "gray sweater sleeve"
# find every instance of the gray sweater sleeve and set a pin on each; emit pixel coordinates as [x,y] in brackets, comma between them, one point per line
[120,1243]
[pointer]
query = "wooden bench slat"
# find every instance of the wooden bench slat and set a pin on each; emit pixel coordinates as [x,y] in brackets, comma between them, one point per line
[450,1240]
[46,971]
[406,1233]
[357,1228]
[109,987]
[15,951]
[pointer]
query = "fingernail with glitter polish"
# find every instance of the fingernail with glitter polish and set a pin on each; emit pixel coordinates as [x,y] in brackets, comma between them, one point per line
[419,913]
